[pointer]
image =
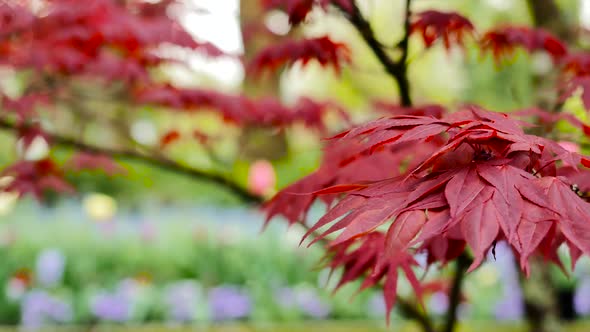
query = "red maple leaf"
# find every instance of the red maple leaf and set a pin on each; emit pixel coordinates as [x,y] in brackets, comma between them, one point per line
[299,9]
[13,19]
[24,106]
[322,49]
[35,178]
[364,259]
[433,25]
[576,64]
[344,162]
[92,161]
[432,110]
[502,42]
[575,84]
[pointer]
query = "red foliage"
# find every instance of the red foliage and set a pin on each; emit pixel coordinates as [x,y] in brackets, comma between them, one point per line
[576,76]
[239,109]
[35,178]
[344,162]
[169,138]
[575,84]
[365,258]
[92,161]
[24,106]
[91,37]
[488,181]
[298,9]
[439,183]
[502,42]
[576,64]
[434,25]
[322,49]
[433,110]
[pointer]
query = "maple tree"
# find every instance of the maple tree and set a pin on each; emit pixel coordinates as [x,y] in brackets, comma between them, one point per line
[450,182]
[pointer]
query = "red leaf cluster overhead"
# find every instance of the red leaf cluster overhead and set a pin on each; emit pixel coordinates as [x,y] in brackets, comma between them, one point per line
[549,119]
[502,42]
[24,106]
[35,178]
[434,25]
[92,161]
[98,37]
[240,109]
[298,9]
[322,49]
[487,181]
[576,76]
[575,84]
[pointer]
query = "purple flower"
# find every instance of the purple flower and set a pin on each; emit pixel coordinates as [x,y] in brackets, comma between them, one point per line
[376,306]
[229,302]
[285,297]
[38,308]
[310,303]
[111,307]
[303,298]
[49,267]
[182,299]
[511,307]
[439,303]
[582,298]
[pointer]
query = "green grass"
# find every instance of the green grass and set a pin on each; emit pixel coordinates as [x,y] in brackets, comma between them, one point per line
[304,327]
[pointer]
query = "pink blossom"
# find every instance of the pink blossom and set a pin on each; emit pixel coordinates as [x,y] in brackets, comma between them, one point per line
[261,178]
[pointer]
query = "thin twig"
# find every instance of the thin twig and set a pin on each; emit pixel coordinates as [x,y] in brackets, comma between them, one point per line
[152,160]
[398,70]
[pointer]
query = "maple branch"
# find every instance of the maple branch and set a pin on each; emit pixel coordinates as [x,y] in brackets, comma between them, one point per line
[411,311]
[398,70]
[462,263]
[156,161]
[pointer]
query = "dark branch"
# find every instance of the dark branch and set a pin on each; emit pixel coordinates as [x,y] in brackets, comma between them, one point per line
[412,312]
[156,161]
[398,70]
[462,263]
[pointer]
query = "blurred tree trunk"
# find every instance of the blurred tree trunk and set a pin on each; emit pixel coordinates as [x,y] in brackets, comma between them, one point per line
[546,14]
[257,142]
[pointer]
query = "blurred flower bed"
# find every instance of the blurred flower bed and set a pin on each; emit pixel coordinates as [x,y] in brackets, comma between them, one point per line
[195,266]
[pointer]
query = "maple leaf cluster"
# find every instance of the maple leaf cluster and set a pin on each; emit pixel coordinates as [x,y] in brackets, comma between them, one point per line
[90,37]
[433,25]
[242,110]
[114,43]
[479,180]
[501,42]
[322,49]
[297,10]
[61,40]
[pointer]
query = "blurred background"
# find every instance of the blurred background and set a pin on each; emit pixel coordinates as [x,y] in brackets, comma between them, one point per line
[148,246]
